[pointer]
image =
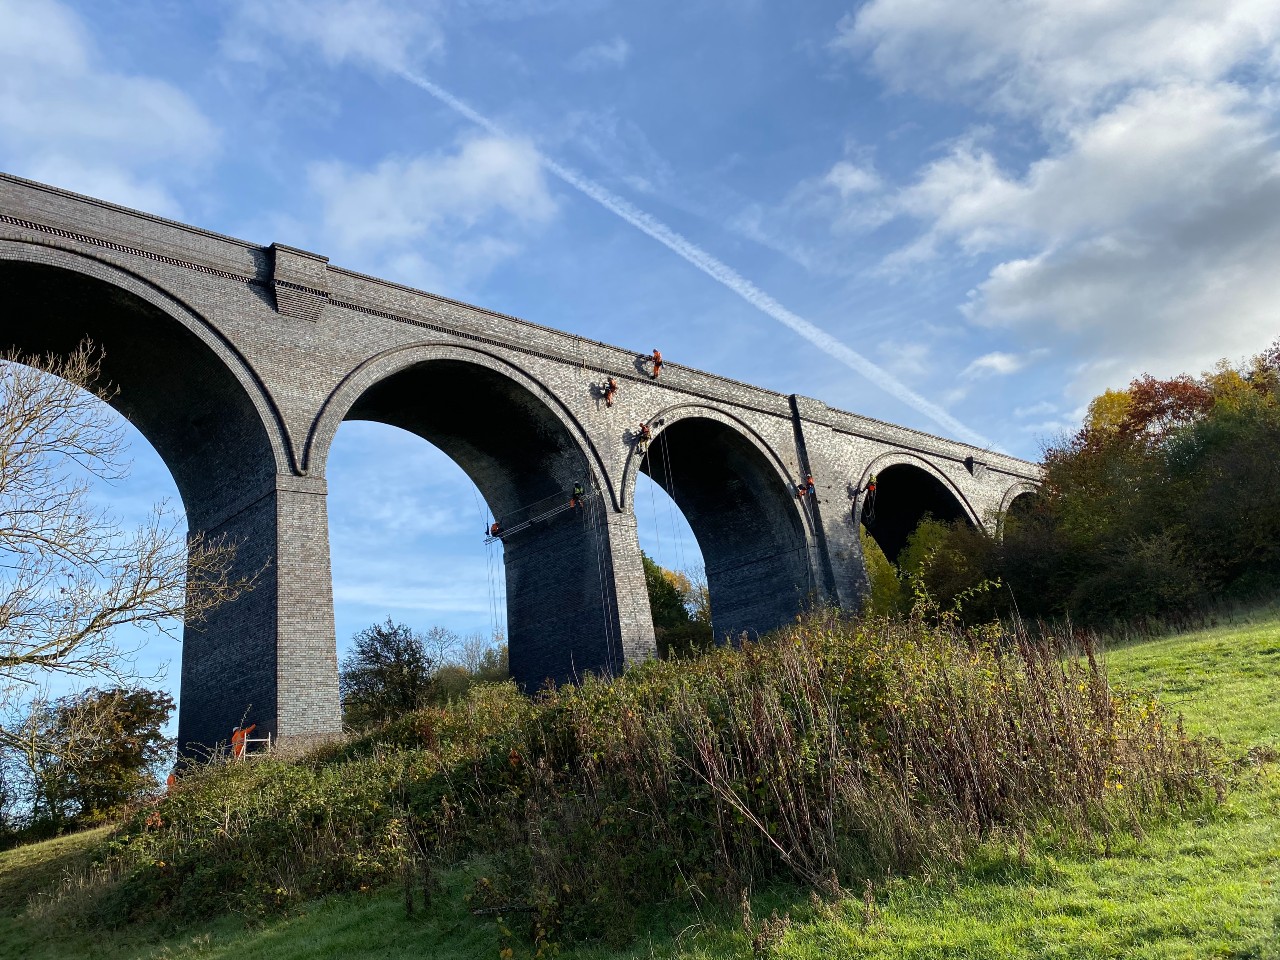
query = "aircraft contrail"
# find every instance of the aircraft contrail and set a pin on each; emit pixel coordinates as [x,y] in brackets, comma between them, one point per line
[719,271]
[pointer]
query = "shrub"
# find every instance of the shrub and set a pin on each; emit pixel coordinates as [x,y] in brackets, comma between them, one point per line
[835,750]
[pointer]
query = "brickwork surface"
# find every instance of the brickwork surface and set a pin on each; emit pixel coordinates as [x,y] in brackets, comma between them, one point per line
[239,363]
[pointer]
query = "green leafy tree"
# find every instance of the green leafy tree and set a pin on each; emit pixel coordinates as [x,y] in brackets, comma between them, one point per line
[681,611]
[885,597]
[88,754]
[391,670]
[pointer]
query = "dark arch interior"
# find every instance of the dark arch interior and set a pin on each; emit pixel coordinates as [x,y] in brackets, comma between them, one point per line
[1021,509]
[171,386]
[201,422]
[741,513]
[514,449]
[560,608]
[905,494]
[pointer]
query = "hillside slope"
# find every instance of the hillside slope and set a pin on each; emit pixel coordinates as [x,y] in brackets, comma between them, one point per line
[1201,887]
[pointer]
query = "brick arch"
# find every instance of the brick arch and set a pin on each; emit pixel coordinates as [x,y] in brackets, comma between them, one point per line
[524,452]
[210,420]
[182,384]
[669,416]
[1019,489]
[1023,488]
[738,499]
[390,363]
[899,506]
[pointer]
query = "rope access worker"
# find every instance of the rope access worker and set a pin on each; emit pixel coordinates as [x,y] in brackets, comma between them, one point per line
[239,738]
[643,437]
[657,363]
[578,494]
[809,487]
[610,388]
[869,503]
[495,529]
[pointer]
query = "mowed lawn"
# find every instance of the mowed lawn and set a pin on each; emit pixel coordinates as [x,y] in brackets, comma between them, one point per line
[1207,886]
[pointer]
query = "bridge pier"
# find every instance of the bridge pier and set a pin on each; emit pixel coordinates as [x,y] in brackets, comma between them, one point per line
[269,657]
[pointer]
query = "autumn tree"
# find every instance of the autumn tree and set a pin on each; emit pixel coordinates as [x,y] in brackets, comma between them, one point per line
[88,754]
[681,610]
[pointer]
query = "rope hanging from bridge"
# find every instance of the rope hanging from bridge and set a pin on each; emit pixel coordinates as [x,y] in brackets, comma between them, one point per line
[669,487]
[495,608]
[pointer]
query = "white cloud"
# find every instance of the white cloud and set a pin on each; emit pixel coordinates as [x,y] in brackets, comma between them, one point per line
[66,119]
[383,34]
[601,56]
[1145,236]
[1039,409]
[438,218]
[908,360]
[104,181]
[1028,56]
[993,365]
[849,178]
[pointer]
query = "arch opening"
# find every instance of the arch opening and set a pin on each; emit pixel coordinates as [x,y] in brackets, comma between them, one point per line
[196,414]
[405,525]
[745,521]
[561,611]
[179,395]
[905,495]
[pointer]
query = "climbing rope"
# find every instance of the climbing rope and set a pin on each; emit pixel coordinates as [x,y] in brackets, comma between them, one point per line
[596,508]
[670,488]
[653,512]
[494,620]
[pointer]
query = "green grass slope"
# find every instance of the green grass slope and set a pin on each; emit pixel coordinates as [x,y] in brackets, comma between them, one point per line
[1208,886]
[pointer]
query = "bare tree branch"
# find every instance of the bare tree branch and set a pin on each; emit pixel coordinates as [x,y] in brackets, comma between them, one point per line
[71,574]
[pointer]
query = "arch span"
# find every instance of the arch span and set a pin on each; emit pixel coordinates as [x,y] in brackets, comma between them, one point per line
[526,456]
[737,498]
[1017,503]
[908,488]
[1023,488]
[386,365]
[207,417]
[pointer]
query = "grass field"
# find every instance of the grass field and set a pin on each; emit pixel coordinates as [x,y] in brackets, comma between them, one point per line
[1194,888]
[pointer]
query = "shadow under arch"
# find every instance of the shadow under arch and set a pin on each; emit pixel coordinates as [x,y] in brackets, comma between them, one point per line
[740,504]
[203,411]
[525,456]
[908,489]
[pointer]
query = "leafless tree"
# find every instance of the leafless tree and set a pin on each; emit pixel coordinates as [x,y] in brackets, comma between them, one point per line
[71,575]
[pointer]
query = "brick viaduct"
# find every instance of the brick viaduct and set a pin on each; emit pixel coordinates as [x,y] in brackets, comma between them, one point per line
[239,363]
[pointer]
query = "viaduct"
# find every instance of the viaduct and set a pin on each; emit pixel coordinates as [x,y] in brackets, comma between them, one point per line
[239,363]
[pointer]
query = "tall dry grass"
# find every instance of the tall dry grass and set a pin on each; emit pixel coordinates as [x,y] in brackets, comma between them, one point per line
[836,750]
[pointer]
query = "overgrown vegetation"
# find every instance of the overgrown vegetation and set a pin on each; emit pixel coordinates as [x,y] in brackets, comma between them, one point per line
[1166,501]
[393,669]
[837,751]
[81,759]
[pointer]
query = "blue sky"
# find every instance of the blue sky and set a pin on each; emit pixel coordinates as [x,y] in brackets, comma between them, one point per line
[993,209]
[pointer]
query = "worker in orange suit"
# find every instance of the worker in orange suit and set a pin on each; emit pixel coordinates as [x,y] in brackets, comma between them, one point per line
[239,738]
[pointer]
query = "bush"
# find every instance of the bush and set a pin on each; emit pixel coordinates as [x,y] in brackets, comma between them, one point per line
[835,750]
